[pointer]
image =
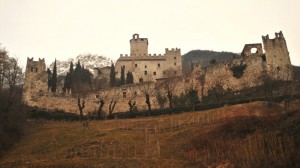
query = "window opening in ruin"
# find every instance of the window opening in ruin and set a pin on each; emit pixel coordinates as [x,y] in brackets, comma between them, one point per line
[97,96]
[135,65]
[145,72]
[158,64]
[263,57]
[175,63]
[141,80]
[124,94]
[154,73]
[34,69]
[174,57]
[145,66]
[253,50]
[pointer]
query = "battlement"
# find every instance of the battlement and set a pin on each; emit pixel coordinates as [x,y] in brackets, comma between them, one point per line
[278,36]
[35,66]
[172,50]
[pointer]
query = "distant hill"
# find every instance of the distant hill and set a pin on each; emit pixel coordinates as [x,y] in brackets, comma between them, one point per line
[296,72]
[204,57]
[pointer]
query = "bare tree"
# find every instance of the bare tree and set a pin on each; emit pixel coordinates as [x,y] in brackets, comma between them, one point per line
[147,93]
[131,102]
[12,73]
[288,80]
[217,91]
[112,103]
[169,87]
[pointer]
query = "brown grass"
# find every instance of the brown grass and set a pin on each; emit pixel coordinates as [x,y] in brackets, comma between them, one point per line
[233,136]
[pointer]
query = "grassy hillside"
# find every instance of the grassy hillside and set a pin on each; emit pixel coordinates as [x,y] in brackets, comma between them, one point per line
[196,139]
[204,57]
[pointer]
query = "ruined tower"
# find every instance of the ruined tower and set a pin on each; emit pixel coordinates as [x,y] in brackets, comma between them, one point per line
[138,46]
[277,57]
[36,79]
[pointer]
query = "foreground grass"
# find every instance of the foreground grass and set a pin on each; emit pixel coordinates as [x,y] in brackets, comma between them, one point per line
[199,139]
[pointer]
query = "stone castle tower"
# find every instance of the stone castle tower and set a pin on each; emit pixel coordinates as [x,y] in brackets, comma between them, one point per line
[36,79]
[149,67]
[138,46]
[277,56]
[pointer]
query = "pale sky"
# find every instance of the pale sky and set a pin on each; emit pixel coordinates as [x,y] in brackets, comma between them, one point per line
[63,29]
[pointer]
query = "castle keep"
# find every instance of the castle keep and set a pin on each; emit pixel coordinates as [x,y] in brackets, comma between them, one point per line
[147,67]
[258,59]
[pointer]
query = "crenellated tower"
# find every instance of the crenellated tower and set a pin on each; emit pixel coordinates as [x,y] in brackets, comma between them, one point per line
[36,79]
[277,56]
[138,46]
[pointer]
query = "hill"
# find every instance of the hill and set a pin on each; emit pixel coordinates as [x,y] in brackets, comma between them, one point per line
[204,57]
[244,135]
[296,70]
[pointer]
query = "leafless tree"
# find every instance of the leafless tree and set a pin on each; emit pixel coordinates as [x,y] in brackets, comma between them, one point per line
[288,80]
[147,93]
[169,87]
[12,116]
[131,100]
[102,96]
[112,103]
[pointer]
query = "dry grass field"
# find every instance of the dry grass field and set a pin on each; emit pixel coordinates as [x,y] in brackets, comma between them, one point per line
[244,135]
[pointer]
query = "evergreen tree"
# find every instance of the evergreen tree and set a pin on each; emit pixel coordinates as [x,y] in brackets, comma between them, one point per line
[54,78]
[122,75]
[49,78]
[129,78]
[112,81]
[68,78]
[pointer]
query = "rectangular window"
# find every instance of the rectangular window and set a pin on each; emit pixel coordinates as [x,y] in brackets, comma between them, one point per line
[158,64]
[97,96]
[154,73]
[145,72]
[135,65]
[175,63]
[145,66]
[174,57]
[124,94]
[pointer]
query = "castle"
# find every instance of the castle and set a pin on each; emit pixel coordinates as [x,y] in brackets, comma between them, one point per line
[147,69]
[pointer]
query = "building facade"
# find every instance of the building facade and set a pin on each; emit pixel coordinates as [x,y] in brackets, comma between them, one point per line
[149,67]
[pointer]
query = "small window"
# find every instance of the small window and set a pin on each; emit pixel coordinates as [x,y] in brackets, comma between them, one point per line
[174,57]
[158,64]
[97,96]
[145,66]
[135,65]
[154,73]
[175,63]
[124,94]
[145,72]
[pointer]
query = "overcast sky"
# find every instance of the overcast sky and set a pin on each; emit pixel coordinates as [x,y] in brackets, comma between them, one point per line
[63,29]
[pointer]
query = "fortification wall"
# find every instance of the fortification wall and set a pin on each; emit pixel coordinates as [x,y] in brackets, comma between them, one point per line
[255,65]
